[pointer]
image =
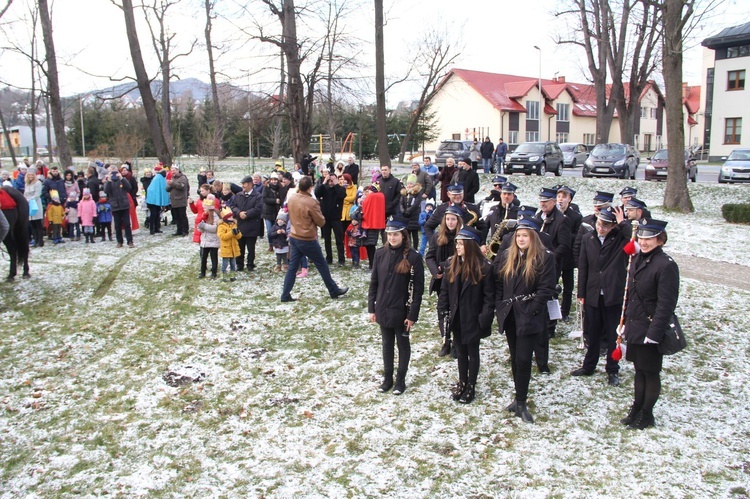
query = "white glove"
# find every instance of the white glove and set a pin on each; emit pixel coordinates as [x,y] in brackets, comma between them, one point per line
[649,340]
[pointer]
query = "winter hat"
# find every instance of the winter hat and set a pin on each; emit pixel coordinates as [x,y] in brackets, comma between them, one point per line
[72,195]
[87,192]
[103,195]
[226,214]
[282,216]
[429,202]
[31,169]
[411,179]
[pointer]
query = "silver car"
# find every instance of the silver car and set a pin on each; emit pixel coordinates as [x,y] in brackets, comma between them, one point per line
[736,167]
[574,154]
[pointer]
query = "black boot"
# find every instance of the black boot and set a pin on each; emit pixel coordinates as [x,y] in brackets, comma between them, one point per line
[446,349]
[387,382]
[458,390]
[468,395]
[644,419]
[632,414]
[511,407]
[523,412]
[454,350]
[400,386]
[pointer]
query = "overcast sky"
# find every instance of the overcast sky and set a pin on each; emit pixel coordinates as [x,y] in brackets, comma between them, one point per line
[498,36]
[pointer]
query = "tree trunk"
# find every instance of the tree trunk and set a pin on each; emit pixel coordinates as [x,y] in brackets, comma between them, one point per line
[676,194]
[53,87]
[383,154]
[48,126]
[218,119]
[6,132]
[32,98]
[144,86]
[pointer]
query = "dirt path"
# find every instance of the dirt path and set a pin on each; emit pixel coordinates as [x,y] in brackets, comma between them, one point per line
[711,271]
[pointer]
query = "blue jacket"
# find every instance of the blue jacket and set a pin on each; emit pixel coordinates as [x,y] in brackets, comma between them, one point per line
[20,182]
[104,212]
[157,194]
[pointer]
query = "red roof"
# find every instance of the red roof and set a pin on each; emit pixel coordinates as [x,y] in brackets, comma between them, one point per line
[693,99]
[691,121]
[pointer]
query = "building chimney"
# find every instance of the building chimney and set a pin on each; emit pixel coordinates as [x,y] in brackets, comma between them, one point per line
[560,79]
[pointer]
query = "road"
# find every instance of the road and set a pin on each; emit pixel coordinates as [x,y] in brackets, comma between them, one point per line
[707,174]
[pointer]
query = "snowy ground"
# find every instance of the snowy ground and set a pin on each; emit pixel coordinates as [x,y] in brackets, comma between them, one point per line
[285,402]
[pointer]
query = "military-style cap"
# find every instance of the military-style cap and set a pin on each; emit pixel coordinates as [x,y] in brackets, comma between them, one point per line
[456,189]
[607,215]
[651,228]
[508,187]
[629,191]
[545,194]
[396,223]
[499,180]
[469,233]
[529,223]
[602,198]
[454,210]
[635,204]
[565,188]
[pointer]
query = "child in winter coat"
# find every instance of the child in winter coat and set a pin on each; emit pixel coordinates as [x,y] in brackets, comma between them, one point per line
[355,236]
[87,214]
[55,215]
[229,248]
[104,215]
[280,243]
[71,215]
[209,239]
[429,207]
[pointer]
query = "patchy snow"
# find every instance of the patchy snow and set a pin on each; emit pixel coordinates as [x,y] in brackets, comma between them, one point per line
[289,406]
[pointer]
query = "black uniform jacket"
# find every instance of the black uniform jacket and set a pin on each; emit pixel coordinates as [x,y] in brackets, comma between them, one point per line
[389,291]
[497,215]
[469,209]
[558,227]
[588,224]
[603,267]
[653,288]
[473,304]
[437,258]
[252,204]
[530,315]
[575,219]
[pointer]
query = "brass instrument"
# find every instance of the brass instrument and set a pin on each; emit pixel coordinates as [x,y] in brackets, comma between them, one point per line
[474,217]
[494,245]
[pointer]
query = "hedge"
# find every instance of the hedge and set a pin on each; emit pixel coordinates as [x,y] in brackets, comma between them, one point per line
[736,213]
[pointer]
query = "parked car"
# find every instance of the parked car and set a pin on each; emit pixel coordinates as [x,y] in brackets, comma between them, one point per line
[736,167]
[455,149]
[612,160]
[42,151]
[657,166]
[535,157]
[574,154]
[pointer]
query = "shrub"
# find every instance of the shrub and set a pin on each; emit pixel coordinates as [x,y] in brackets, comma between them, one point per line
[736,213]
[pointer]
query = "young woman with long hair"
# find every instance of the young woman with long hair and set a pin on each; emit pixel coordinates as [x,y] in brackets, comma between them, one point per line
[466,297]
[394,299]
[524,283]
[442,247]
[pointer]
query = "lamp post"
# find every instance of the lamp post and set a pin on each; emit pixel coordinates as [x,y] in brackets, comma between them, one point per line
[541,97]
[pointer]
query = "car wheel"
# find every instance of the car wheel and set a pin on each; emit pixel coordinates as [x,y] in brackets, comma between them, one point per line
[583,174]
[573,164]
[558,172]
[541,170]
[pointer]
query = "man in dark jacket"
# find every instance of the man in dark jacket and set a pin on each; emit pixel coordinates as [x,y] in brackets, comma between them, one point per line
[602,269]
[486,150]
[178,188]
[272,203]
[331,197]
[352,168]
[118,189]
[53,182]
[391,188]
[565,203]
[467,177]
[247,207]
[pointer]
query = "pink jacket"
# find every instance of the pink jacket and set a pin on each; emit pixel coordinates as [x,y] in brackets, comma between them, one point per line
[87,212]
[197,208]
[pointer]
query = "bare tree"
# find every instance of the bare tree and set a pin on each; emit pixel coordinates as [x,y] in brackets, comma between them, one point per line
[53,87]
[5,9]
[677,14]
[435,55]
[276,138]
[6,133]
[163,152]
[383,154]
[218,118]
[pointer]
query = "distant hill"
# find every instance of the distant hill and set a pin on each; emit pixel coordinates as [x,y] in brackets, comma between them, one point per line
[179,90]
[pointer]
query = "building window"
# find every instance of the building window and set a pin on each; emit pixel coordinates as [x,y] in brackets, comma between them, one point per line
[561,137]
[736,80]
[589,139]
[741,51]
[644,112]
[532,136]
[563,112]
[456,136]
[513,137]
[733,131]
[652,113]
[532,110]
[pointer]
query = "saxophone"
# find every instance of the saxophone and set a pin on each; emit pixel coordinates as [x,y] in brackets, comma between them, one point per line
[497,236]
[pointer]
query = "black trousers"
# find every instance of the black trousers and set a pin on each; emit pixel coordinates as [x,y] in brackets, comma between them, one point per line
[647,362]
[214,254]
[468,359]
[338,232]
[247,243]
[154,218]
[521,348]
[600,323]
[415,236]
[391,337]
[122,222]
[567,298]
[179,216]
[541,346]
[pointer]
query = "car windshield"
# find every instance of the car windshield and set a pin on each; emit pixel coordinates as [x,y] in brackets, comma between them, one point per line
[531,148]
[608,150]
[567,147]
[739,155]
[450,146]
[660,155]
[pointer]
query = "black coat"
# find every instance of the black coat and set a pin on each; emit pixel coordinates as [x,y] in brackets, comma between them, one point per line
[575,219]
[530,315]
[94,185]
[411,207]
[272,202]
[487,149]
[352,170]
[653,289]
[497,215]
[558,227]
[389,291]
[587,225]
[331,198]
[436,258]
[391,189]
[470,180]
[473,304]
[508,240]
[252,204]
[118,192]
[603,267]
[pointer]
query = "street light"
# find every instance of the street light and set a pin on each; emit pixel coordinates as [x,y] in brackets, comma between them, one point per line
[541,98]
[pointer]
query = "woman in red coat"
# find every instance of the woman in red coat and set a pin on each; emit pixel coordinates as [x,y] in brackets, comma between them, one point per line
[373,219]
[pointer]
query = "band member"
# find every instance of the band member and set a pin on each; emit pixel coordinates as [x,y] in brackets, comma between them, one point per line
[470,212]
[565,203]
[635,209]
[526,212]
[506,210]
[524,281]
[602,269]
[467,299]
[394,299]
[653,288]
[442,247]
[601,201]
[627,194]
